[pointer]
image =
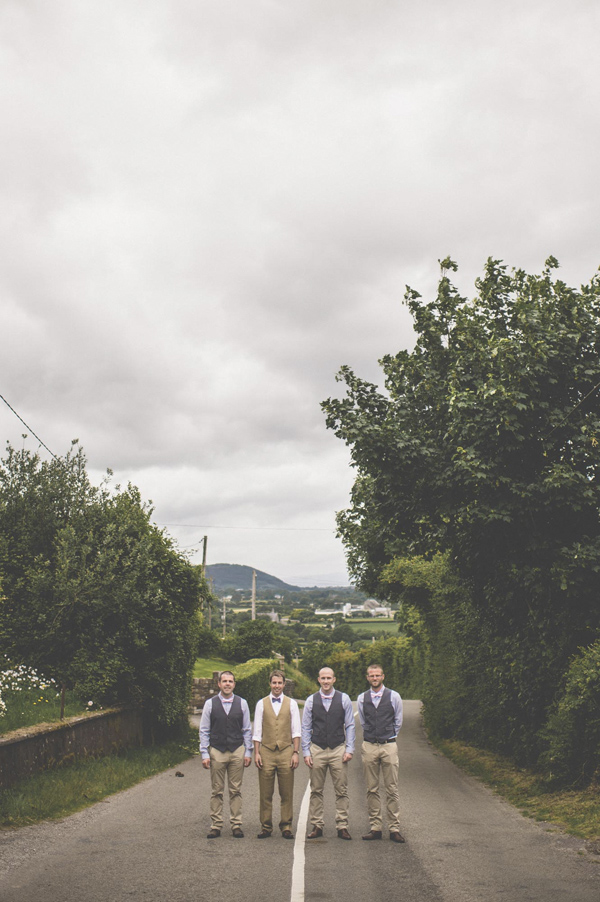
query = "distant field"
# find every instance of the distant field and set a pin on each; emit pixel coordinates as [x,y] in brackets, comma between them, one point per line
[373,627]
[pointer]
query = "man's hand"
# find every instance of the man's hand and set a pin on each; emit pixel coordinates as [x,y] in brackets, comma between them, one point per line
[308,760]
[257,759]
[206,763]
[346,757]
[295,760]
[247,762]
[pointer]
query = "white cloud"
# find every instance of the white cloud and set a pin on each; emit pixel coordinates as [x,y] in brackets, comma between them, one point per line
[208,207]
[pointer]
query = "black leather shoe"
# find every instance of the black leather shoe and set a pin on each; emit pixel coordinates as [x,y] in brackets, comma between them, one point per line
[396,837]
[264,834]
[316,832]
[343,834]
[373,834]
[287,834]
[237,832]
[212,834]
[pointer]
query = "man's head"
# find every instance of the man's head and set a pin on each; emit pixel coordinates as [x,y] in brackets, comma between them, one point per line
[277,682]
[375,675]
[226,683]
[326,679]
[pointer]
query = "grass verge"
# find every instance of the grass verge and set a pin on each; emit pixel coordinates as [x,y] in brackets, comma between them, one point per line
[575,811]
[204,667]
[57,793]
[28,707]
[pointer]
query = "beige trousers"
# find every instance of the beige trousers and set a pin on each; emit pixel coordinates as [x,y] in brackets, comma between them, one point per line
[382,760]
[324,760]
[230,765]
[276,763]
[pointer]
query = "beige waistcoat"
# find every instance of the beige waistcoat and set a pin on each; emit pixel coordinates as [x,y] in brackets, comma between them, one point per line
[276,729]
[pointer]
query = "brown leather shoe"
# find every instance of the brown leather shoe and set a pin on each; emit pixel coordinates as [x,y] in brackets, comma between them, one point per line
[287,834]
[373,834]
[396,837]
[316,832]
[343,834]
[237,832]
[212,834]
[264,834]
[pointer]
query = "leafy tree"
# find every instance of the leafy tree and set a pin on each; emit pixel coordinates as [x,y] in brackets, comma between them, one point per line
[96,597]
[253,639]
[485,447]
[343,633]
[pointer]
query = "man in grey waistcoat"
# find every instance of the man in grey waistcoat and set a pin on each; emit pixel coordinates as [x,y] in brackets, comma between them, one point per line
[328,735]
[226,749]
[380,715]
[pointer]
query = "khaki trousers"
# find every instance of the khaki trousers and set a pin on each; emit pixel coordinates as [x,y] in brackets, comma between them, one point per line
[276,762]
[382,760]
[324,760]
[230,765]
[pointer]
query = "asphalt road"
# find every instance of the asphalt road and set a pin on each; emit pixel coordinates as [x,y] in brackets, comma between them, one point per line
[149,843]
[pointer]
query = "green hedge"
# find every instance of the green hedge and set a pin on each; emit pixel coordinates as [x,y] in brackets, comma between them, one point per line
[573,729]
[252,679]
[400,659]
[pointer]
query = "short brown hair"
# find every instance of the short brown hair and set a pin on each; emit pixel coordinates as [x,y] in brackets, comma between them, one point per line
[374,666]
[277,673]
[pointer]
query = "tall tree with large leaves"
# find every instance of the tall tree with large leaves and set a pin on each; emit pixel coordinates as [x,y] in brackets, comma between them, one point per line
[95,596]
[485,446]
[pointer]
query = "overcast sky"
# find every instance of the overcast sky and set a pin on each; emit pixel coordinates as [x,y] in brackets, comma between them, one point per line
[209,206]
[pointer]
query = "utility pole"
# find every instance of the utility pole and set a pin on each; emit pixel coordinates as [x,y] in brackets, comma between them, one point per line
[224,616]
[254,595]
[204,544]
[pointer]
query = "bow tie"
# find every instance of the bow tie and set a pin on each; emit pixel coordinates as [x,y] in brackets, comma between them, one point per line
[376,694]
[276,699]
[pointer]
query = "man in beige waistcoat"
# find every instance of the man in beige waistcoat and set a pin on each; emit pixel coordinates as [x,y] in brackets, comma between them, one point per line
[276,737]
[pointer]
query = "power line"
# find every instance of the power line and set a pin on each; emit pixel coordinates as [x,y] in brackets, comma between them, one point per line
[273,528]
[43,444]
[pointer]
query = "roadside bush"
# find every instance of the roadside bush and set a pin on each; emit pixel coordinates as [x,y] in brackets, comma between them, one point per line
[252,679]
[573,729]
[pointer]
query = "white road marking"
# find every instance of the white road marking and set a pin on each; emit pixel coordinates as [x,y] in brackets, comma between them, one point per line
[299,847]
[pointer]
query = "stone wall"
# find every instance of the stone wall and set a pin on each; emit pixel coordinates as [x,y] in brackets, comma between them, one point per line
[203,689]
[32,749]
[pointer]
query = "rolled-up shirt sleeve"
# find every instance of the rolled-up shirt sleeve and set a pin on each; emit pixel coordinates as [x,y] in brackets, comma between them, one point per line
[258,719]
[295,715]
[349,724]
[246,728]
[306,731]
[397,705]
[205,729]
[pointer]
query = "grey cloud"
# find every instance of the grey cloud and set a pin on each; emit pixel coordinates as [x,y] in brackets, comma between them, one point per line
[207,208]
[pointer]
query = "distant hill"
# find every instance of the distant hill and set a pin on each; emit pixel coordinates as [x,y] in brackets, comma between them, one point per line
[238,576]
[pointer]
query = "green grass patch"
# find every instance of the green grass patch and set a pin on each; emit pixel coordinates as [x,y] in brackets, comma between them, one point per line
[304,685]
[373,627]
[57,793]
[575,811]
[27,707]
[204,667]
